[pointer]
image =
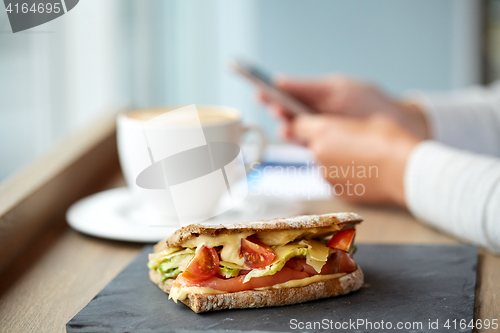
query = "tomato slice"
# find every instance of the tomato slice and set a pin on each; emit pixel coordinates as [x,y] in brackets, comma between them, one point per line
[342,240]
[203,266]
[256,253]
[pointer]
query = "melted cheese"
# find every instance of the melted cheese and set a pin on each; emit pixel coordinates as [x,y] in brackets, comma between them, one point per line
[304,282]
[278,237]
[282,237]
[318,254]
[181,293]
[230,245]
[317,250]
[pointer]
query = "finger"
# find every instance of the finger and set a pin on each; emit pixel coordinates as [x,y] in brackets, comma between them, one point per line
[262,97]
[280,112]
[307,91]
[286,133]
[277,110]
[306,127]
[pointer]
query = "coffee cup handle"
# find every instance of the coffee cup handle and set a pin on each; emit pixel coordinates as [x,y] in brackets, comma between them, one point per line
[261,144]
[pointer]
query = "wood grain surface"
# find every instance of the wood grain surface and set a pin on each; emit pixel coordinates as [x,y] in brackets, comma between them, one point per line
[60,270]
[37,196]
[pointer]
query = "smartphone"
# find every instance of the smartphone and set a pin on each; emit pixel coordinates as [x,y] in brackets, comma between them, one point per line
[265,82]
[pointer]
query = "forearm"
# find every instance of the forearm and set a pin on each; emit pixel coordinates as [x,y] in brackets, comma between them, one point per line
[455,191]
[467,119]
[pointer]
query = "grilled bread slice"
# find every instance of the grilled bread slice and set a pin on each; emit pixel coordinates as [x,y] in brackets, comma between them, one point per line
[300,227]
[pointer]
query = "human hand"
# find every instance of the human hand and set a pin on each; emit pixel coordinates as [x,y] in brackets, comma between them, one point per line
[342,95]
[363,159]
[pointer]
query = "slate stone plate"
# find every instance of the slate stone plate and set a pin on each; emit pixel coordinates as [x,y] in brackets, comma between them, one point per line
[403,284]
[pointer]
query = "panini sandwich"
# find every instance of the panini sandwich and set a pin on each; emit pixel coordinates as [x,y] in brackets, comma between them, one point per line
[257,264]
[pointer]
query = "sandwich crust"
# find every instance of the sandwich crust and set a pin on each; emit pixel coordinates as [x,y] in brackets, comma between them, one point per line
[269,297]
[299,222]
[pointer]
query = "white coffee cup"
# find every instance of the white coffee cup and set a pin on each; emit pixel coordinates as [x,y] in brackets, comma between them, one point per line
[138,149]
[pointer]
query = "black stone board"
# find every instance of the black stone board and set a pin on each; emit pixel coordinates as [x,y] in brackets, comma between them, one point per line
[402,284]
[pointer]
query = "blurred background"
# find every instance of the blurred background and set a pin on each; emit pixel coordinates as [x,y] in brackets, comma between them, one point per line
[110,55]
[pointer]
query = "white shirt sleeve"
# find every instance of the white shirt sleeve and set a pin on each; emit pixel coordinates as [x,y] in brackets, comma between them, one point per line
[467,119]
[456,191]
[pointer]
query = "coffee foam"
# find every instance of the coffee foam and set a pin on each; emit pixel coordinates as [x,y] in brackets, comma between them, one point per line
[207,115]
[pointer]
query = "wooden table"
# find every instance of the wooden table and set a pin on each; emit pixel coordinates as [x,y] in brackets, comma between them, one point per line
[60,270]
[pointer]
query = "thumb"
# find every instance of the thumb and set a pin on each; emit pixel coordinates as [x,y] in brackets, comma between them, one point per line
[306,127]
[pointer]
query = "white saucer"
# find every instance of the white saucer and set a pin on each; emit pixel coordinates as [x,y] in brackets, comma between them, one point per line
[115,214]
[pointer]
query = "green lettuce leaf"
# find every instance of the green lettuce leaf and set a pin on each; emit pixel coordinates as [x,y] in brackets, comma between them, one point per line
[171,272]
[171,264]
[155,259]
[229,269]
[283,254]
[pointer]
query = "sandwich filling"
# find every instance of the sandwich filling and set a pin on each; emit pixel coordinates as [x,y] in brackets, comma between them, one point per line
[256,261]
